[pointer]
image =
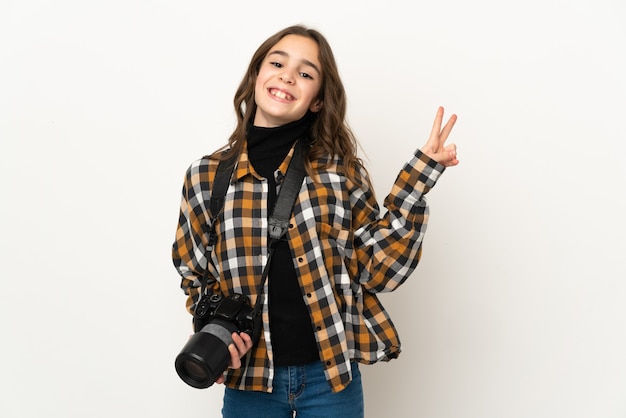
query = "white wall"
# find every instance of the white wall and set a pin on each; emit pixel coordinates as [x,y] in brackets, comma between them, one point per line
[517,309]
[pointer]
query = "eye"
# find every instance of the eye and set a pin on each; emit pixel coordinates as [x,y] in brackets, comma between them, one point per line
[276,64]
[306,75]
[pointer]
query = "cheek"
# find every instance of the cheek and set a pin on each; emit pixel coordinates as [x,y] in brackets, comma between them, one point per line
[314,92]
[258,89]
[313,98]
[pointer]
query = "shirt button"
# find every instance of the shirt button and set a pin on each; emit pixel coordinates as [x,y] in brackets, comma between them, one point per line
[300,259]
[290,226]
[318,328]
[308,295]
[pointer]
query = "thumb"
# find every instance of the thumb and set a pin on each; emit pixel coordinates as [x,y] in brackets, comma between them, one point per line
[447,156]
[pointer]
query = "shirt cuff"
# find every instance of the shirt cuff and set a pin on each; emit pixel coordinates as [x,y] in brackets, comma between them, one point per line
[423,172]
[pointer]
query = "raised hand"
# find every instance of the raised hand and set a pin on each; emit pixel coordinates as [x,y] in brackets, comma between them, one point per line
[435,147]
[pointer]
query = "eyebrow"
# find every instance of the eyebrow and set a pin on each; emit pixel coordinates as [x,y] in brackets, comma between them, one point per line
[305,61]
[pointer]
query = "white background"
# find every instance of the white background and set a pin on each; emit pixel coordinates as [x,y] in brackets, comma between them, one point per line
[519,306]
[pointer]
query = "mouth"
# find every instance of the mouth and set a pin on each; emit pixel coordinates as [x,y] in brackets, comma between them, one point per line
[280,94]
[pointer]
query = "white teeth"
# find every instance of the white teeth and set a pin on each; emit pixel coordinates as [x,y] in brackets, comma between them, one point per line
[281,94]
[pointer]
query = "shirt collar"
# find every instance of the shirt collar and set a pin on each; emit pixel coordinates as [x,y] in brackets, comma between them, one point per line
[244,167]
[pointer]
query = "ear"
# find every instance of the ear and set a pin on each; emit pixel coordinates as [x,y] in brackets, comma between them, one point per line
[316,106]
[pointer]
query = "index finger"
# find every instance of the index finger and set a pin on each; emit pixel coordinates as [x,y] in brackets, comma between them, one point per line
[443,136]
[434,133]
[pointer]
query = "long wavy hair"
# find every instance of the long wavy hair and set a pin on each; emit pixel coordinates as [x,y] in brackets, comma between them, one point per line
[330,133]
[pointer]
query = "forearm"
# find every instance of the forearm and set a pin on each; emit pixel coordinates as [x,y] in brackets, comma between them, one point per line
[388,248]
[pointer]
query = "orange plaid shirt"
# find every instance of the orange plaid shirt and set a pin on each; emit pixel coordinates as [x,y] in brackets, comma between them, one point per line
[344,252]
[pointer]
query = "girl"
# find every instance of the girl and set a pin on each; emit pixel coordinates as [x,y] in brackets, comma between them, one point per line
[321,315]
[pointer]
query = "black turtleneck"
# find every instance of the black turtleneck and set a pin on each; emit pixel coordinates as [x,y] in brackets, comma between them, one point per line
[293,340]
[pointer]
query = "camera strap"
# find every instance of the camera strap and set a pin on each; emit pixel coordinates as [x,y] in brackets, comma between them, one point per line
[221,181]
[278,221]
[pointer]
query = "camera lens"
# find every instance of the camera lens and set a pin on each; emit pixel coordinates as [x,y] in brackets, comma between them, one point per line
[206,355]
[194,369]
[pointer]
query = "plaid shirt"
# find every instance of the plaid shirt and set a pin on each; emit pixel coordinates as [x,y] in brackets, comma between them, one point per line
[344,252]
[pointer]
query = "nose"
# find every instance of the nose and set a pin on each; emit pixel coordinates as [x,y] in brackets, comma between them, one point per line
[287,77]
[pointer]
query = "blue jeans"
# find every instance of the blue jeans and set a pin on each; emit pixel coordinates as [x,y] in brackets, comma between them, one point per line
[300,391]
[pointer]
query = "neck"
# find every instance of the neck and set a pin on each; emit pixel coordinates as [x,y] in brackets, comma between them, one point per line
[268,147]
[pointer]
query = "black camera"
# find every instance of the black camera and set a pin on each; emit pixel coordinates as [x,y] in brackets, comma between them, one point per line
[206,355]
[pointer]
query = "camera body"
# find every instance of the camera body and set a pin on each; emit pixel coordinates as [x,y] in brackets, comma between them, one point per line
[206,355]
[235,309]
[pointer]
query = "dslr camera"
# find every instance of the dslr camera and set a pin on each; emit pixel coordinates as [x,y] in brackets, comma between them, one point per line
[206,355]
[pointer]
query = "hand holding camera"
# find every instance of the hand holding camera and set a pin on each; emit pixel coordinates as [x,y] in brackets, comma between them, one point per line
[242,343]
[226,328]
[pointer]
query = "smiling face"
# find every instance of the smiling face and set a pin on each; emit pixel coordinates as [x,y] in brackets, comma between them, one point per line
[288,82]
